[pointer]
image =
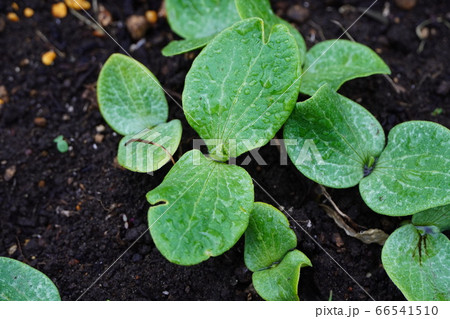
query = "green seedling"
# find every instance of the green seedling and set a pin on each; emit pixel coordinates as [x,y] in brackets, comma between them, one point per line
[408,175]
[269,244]
[236,97]
[61,144]
[132,102]
[416,256]
[20,282]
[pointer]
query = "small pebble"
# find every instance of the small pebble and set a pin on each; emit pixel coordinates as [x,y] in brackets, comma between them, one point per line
[15,6]
[100,128]
[40,121]
[406,4]
[59,10]
[9,173]
[137,26]
[151,16]
[48,57]
[104,16]
[298,13]
[78,4]
[41,184]
[12,16]
[99,138]
[28,12]
[12,249]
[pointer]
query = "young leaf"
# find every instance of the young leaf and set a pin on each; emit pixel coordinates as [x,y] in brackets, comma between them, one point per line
[280,283]
[129,96]
[338,61]
[198,22]
[261,9]
[20,282]
[413,172]
[332,139]
[150,149]
[198,19]
[183,46]
[240,89]
[418,265]
[438,216]
[202,209]
[268,237]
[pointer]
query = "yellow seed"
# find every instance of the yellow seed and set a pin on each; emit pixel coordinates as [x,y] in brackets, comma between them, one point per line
[59,10]
[15,6]
[28,12]
[151,16]
[48,57]
[13,17]
[2,102]
[78,4]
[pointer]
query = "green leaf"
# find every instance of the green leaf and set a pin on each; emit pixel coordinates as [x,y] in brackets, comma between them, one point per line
[61,144]
[438,216]
[240,90]
[20,282]
[198,19]
[202,209]
[268,237]
[418,267]
[331,139]
[150,149]
[261,9]
[413,172]
[337,61]
[281,282]
[129,96]
[183,46]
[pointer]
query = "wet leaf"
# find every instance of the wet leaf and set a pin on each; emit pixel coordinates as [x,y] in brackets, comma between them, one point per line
[240,90]
[262,9]
[183,46]
[418,265]
[150,149]
[129,96]
[335,62]
[280,283]
[20,282]
[438,216]
[268,237]
[201,209]
[413,172]
[332,139]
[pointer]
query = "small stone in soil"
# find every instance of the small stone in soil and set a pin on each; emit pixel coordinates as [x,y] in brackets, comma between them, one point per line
[40,121]
[9,173]
[137,26]
[406,4]
[298,13]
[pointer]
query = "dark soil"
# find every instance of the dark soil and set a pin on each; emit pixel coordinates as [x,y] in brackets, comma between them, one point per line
[65,212]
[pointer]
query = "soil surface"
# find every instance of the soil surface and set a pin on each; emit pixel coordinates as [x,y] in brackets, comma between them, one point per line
[72,215]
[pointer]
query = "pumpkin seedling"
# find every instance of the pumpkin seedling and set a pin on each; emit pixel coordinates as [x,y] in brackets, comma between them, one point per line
[238,96]
[61,144]
[408,175]
[20,282]
[269,244]
[132,102]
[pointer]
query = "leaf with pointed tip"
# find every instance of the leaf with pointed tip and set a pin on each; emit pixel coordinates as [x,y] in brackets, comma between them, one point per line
[337,61]
[129,96]
[240,90]
[183,46]
[437,216]
[150,149]
[418,267]
[20,282]
[202,209]
[332,138]
[413,172]
[262,9]
[280,283]
[268,237]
